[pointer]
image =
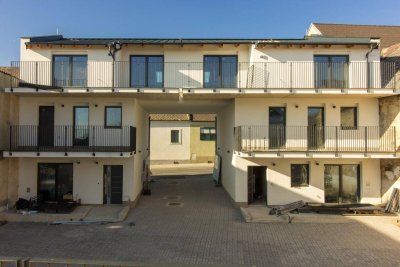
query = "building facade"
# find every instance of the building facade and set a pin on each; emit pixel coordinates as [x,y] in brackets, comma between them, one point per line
[182,138]
[297,119]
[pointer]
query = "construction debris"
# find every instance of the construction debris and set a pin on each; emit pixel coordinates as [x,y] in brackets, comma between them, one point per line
[286,209]
[80,222]
[393,205]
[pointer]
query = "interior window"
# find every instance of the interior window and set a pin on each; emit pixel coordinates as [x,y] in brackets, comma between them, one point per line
[299,175]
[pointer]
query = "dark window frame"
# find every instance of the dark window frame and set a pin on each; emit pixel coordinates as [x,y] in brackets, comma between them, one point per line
[146,70]
[74,123]
[220,70]
[70,69]
[207,134]
[341,180]
[308,175]
[355,126]
[179,137]
[329,78]
[55,165]
[105,118]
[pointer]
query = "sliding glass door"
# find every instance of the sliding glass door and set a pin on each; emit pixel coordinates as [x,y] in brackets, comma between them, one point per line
[70,71]
[55,181]
[147,71]
[277,127]
[220,71]
[342,183]
[331,71]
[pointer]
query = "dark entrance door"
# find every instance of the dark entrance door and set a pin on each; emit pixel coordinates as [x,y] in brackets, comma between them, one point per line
[55,181]
[315,130]
[277,127]
[113,175]
[46,126]
[257,184]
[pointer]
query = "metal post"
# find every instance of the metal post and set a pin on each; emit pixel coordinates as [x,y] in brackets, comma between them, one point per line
[368,76]
[113,73]
[366,139]
[337,140]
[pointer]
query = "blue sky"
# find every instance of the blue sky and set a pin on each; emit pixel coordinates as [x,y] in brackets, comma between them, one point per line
[180,18]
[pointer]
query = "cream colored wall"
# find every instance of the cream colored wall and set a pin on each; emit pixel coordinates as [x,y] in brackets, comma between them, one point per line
[278,178]
[160,140]
[87,177]
[254,111]
[225,143]
[201,150]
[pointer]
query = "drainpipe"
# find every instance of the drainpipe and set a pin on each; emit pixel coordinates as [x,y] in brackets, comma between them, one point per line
[376,45]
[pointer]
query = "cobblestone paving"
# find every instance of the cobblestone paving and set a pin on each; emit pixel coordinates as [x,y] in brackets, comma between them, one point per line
[205,230]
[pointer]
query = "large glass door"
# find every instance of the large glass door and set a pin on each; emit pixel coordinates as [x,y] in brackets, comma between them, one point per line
[55,181]
[342,183]
[220,71]
[81,126]
[315,129]
[331,71]
[70,70]
[147,71]
[277,127]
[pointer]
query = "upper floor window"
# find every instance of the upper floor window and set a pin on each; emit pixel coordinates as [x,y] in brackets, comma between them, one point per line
[348,118]
[207,133]
[113,117]
[331,71]
[70,71]
[220,71]
[147,71]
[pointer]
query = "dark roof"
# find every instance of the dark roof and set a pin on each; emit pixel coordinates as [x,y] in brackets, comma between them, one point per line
[388,35]
[60,40]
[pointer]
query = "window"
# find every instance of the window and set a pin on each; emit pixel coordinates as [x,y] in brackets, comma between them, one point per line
[69,71]
[220,71]
[113,117]
[55,181]
[348,118]
[147,71]
[331,71]
[81,126]
[207,133]
[299,175]
[175,137]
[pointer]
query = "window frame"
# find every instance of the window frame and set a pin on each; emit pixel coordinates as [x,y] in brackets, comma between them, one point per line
[308,175]
[146,85]
[208,134]
[105,118]
[70,69]
[355,127]
[220,79]
[179,137]
[330,70]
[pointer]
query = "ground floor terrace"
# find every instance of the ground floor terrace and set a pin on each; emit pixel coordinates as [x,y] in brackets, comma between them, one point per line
[205,230]
[75,146]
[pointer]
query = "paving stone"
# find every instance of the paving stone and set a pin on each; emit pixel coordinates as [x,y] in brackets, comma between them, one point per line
[205,230]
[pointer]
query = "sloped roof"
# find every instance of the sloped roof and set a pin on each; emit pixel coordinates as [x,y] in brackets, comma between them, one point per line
[203,117]
[391,51]
[388,35]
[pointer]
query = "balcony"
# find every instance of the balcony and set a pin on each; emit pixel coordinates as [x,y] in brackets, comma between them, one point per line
[334,139]
[242,75]
[68,138]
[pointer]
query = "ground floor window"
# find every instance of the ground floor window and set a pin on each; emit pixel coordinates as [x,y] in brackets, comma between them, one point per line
[299,174]
[342,183]
[175,137]
[55,181]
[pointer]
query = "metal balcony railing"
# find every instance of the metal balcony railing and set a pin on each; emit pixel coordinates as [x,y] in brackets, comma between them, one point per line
[337,139]
[268,75]
[68,138]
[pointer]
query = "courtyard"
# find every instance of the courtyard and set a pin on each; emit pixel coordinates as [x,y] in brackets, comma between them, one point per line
[203,229]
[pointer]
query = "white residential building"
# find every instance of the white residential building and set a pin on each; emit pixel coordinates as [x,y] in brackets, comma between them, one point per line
[297,119]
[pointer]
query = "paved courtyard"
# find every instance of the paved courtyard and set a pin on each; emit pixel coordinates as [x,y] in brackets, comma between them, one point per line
[206,229]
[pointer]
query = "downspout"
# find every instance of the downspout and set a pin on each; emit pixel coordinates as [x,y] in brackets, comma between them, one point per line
[368,67]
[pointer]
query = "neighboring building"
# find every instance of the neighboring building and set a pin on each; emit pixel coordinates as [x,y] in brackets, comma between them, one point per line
[297,119]
[389,39]
[182,138]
